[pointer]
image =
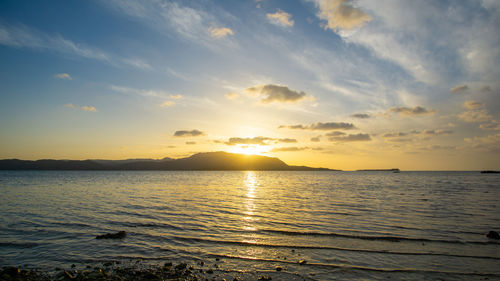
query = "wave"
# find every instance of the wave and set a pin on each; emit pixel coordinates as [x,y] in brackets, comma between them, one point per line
[243,243]
[18,245]
[370,237]
[149,224]
[362,268]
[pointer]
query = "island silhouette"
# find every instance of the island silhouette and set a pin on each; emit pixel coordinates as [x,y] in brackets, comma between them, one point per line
[206,161]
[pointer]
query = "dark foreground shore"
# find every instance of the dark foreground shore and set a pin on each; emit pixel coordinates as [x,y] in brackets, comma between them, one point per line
[116,271]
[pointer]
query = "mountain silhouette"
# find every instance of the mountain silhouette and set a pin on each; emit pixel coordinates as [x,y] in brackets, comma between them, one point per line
[207,161]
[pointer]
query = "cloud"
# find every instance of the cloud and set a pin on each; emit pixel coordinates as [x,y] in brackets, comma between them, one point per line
[321,126]
[434,42]
[63,76]
[258,140]
[406,111]
[437,147]
[187,20]
[361,116]
[176,97]
[335,134]
[21,36]
[490,143]
[143,92]
[494,125]
[232,96]
[473,105]
[275,93]
[473,116]
[254,140]
[287,140]
[167,103]
[437,132]
[280,18]
[187,133]
[394,135]
[83,107]
[350,138]
[340,14]
[315,139]
[138,63]
[485,89]
[289,149]
[220,32]
[190,142]
[459,89]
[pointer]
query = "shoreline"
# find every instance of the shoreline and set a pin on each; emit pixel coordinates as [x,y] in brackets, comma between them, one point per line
[138,271]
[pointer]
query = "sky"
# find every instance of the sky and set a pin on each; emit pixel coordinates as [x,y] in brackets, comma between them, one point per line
[341,84]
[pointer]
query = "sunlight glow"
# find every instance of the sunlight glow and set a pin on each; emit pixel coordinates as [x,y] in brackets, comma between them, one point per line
[249,149]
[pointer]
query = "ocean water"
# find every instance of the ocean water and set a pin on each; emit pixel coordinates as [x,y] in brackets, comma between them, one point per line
[346,225]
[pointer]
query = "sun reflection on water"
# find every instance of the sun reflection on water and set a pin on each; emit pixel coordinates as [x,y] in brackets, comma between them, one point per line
[250,184]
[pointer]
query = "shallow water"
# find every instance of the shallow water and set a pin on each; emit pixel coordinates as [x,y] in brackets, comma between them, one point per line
[346,225]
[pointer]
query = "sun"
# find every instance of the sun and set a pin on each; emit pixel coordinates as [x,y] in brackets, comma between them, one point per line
[252,149]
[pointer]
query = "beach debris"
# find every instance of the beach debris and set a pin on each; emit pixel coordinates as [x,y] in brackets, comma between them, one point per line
[180,266]
[265,278]
[493,235]
[301,262]
[118,235]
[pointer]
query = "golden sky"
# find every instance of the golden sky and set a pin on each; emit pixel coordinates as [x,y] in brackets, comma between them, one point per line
[324,83]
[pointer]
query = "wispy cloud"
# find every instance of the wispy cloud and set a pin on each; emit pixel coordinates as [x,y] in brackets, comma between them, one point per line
[63,76]
[281,18]
[188,133]
[167,103]
[142,92]
[328,126]
[138,63]
[434,42]
[220,32]
[176,97]
[341,14]
[22,36]
[171,18]
[232,96]
[81,107]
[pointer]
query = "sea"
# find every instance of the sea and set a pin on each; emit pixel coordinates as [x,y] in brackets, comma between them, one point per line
[315,225]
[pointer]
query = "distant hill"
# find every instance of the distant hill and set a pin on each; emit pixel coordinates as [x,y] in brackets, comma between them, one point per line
[208,161]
